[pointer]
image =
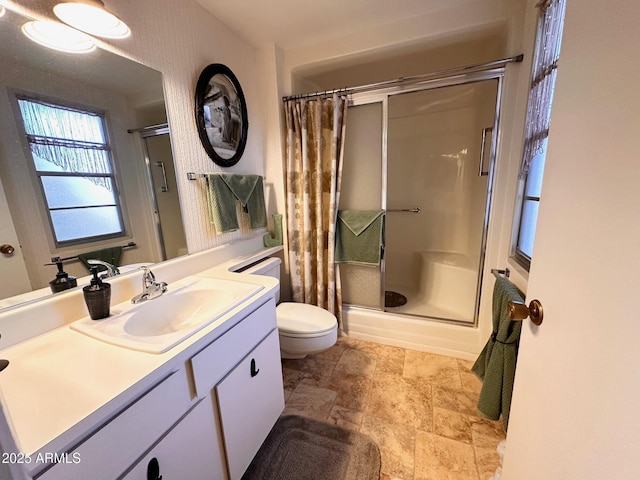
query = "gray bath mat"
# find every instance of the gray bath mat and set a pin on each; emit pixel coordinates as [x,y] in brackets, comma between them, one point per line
[300,448]
[394,299]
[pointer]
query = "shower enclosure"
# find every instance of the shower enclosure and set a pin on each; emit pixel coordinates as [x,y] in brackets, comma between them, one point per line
[161,176]
[423,153]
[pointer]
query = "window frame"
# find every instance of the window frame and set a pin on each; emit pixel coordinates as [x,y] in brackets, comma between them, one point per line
[38,175]
[539,72]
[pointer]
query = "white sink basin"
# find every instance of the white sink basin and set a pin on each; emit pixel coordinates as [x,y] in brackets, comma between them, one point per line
[156,325]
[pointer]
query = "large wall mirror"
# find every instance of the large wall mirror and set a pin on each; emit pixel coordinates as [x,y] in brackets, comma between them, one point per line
[37,185]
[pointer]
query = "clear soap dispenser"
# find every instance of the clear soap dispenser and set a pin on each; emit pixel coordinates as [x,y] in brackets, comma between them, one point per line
[97,295]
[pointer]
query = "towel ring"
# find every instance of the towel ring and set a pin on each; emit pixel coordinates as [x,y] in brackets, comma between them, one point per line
[519,311]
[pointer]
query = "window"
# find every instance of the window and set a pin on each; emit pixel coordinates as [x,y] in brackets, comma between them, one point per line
[545,64]
[72,161]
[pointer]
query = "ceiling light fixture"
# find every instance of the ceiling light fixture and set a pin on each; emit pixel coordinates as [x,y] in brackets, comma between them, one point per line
[58,36]
[92,17]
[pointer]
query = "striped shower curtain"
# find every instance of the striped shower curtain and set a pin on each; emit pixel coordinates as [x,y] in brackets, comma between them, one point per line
[314,148]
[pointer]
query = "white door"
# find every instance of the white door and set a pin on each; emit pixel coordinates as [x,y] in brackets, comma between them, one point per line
[13,272]
[575,412]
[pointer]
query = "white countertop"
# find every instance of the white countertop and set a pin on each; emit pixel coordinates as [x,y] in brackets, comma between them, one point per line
[62,383]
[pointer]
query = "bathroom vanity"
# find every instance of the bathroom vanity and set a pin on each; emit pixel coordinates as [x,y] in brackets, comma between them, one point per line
[77,407]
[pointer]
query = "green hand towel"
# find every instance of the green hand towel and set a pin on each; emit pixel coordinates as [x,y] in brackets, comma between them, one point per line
[359,237]
[223,191]
[110,255]
[496,365]
[249,190]
[222,204]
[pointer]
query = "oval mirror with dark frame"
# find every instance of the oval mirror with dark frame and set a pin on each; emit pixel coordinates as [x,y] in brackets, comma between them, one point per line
[221,115]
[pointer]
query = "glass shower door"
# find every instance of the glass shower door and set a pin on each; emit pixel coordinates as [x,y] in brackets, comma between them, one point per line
[362,189]
[439,169]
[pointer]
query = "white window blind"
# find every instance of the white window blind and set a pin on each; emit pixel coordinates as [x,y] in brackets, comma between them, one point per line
[72,160]
[545,64]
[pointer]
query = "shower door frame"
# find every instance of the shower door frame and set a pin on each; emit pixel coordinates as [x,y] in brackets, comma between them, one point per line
[382,96]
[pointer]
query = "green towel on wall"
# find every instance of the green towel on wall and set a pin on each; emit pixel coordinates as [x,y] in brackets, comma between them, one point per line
[496,365]
[222,193]
[359,237]
[110,255]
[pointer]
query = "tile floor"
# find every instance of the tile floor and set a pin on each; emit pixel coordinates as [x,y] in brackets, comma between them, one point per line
[420,408]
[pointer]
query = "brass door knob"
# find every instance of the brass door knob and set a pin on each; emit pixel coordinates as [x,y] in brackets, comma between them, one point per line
[7,249]
[519,311]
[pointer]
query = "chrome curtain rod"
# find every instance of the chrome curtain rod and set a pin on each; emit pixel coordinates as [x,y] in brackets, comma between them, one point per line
[411,80]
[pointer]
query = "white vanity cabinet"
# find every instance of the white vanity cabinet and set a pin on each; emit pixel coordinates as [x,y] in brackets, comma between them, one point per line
[191,450]
[205,420]
[249,395]
[112,449]
[250,400]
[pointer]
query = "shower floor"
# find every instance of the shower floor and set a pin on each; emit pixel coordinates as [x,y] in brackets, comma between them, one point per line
[418,305]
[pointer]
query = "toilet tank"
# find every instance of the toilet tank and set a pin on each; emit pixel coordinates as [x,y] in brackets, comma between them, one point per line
[269,267]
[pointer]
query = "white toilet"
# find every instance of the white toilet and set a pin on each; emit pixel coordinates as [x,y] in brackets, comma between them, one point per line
[303,328]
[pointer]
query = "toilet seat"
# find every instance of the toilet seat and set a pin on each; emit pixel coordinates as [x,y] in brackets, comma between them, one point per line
[302,320]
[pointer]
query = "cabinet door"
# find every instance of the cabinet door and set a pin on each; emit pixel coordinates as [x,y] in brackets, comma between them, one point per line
[251,399]
[191,450]
[117,445]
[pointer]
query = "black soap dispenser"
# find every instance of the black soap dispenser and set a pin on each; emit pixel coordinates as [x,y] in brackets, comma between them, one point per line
[63,280]
[97,295]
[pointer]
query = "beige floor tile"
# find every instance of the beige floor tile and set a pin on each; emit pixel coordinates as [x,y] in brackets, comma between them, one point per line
[457,400]
[465,365]
[418,407]
[356,362]
[486,433]
[351,390]
[436,369]
[453,425]
[316,370]
[310,401]
[386,476]
[291,378]
[287,394]
[487,461]
[400,400]
[439,458]
[389,359]
[396,443]
[470,382]
[345,417]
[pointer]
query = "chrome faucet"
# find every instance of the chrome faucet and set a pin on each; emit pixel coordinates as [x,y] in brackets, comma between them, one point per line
[112,270]
[150,288]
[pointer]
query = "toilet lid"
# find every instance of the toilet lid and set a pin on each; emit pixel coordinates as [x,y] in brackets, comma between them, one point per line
[301,318]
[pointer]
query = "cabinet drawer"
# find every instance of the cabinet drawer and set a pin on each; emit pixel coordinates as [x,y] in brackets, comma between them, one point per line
[250,399]
[191,450]
[217,359]
[116,446]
